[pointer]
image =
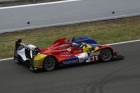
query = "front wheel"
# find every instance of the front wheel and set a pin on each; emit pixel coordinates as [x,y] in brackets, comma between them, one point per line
[106,55]
[49,64]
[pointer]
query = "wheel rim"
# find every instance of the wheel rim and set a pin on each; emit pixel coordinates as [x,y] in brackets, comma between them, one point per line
[49,64]
[106,55]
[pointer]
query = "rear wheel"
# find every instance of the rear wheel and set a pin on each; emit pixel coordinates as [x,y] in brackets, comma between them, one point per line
[106,55]
[17,59]
[49,63]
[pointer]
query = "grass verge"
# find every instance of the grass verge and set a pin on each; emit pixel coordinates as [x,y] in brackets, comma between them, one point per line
[24,2]
[104,32]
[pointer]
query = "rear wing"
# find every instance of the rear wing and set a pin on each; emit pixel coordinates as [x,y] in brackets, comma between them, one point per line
[25,51]
[18,43]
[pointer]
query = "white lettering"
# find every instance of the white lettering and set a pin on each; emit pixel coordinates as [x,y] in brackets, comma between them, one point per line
[64,53]
[78,51]
[70,61]
[63,46]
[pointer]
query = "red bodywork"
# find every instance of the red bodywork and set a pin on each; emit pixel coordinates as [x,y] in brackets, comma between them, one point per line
[61,49]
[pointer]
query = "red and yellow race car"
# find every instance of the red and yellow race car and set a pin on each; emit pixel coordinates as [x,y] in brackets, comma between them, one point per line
[63,52]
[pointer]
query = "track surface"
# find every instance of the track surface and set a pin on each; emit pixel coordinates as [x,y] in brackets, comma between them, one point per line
[121,76]
[64,12]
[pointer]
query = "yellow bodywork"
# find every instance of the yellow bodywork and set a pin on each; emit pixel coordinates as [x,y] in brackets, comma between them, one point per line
[95,49]
[89,48]
[38,60]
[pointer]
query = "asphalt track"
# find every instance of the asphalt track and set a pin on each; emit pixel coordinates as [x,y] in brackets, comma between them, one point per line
[22,17]
[121,76]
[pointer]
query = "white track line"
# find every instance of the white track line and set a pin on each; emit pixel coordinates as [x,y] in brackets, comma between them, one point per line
[48,3]
[125,42]
[6,59]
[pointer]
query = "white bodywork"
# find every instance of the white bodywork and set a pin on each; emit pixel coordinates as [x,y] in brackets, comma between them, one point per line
[82,57]
[21,50]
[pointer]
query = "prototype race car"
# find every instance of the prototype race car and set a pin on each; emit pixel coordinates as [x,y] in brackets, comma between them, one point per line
[63,52]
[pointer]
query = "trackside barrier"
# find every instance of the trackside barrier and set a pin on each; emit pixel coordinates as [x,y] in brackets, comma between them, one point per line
[23,17]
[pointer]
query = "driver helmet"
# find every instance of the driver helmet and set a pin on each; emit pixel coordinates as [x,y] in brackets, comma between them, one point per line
[74,45]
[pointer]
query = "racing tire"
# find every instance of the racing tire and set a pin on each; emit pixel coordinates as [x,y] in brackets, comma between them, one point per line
[106,55]
[17,60]
[49,63]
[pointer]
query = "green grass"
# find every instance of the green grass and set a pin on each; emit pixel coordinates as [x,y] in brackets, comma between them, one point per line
[104,32]
[24,2]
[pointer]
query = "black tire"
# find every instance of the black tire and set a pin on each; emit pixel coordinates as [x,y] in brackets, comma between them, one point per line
[17,60]
[49,63]
[106,55]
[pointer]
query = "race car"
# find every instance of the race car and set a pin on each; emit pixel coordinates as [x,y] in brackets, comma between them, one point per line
[63,52]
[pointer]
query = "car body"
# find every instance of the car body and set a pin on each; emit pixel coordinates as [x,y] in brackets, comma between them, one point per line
[63,52]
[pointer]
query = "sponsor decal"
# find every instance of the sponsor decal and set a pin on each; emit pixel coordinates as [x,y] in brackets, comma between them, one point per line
[69,49]
[64,53]
[63,46]
[78,51]
[72,60]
